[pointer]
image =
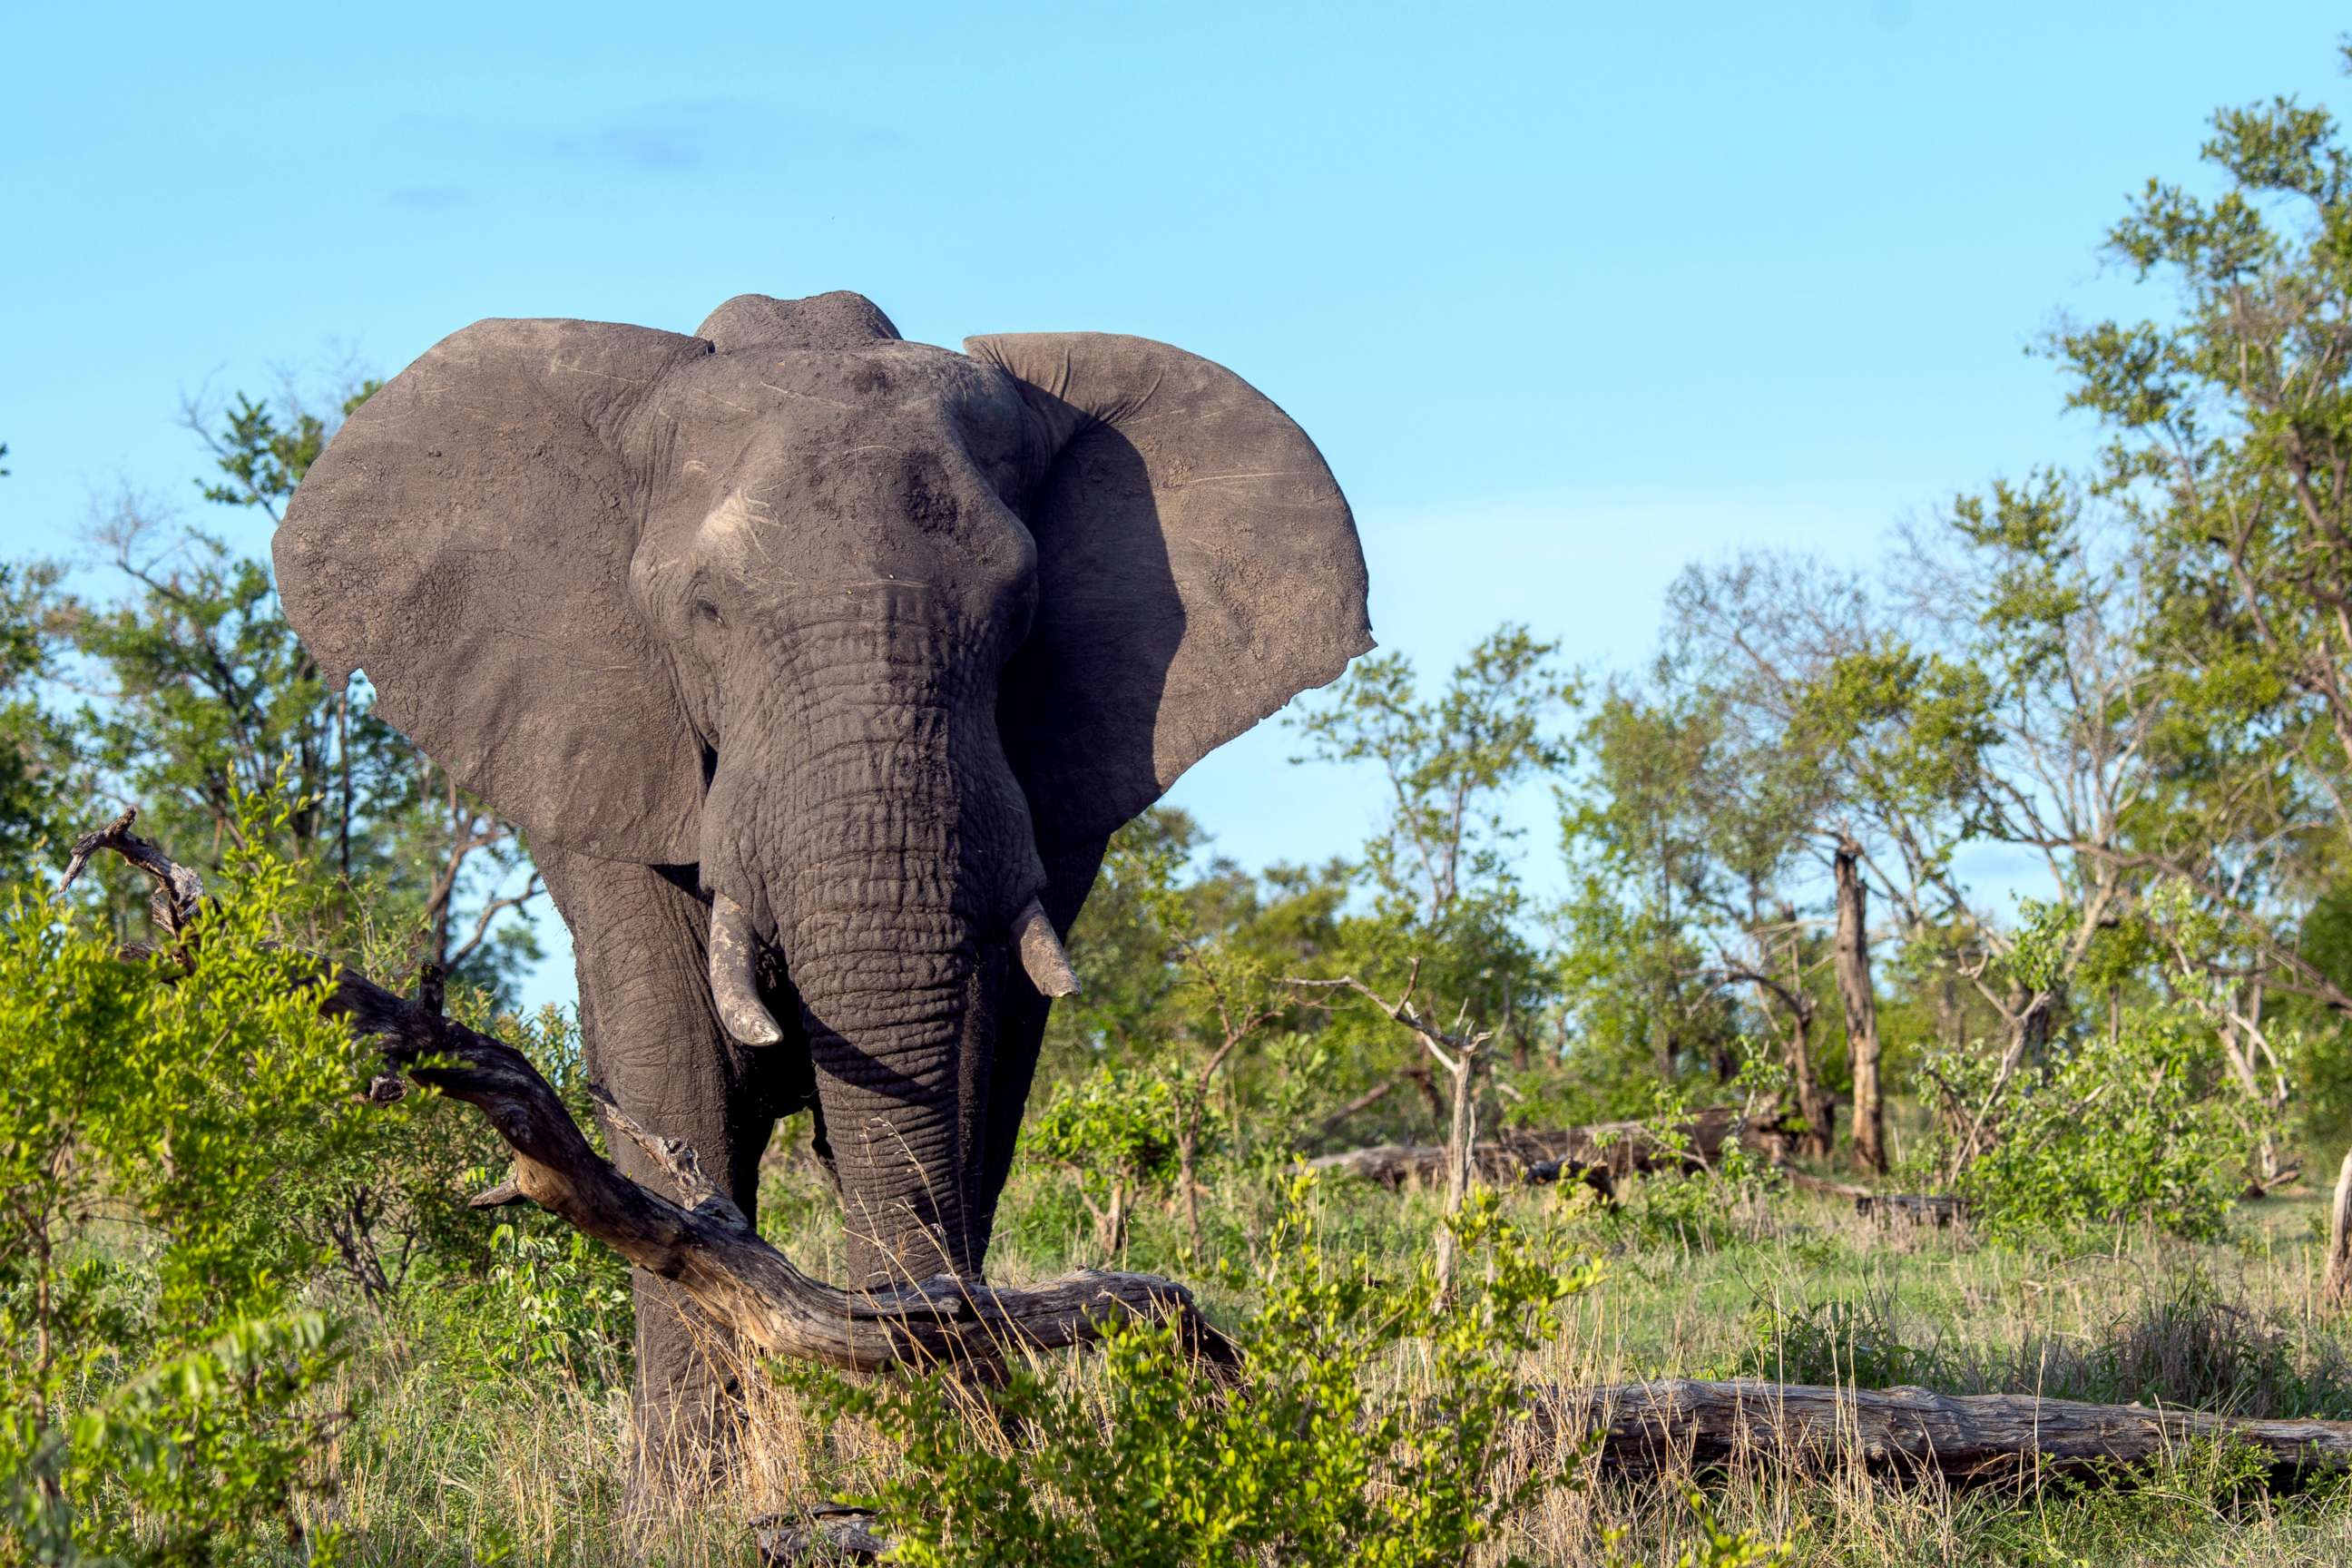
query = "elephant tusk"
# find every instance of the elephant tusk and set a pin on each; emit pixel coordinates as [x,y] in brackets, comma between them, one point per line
[734,987]
[1041,952]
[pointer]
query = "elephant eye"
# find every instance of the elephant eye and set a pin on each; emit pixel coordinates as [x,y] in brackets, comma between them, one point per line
[704,610]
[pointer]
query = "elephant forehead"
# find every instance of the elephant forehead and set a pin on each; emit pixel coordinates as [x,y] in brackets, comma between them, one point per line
[767,417]
[767,382]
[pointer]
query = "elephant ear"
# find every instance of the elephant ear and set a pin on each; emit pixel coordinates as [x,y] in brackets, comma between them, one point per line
[464,539]
[1197,568]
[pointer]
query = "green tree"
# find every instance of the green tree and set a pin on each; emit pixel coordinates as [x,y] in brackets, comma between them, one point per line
[1184,971]
[204,693]
[1867,747]
[40,756]
[1446,902]
[1639,1007]
[2229,419]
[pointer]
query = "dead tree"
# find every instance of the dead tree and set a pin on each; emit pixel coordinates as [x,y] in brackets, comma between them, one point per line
[1852,951]
[1814,1101]
[2335,1282]
[1460,1056]
[699,1241]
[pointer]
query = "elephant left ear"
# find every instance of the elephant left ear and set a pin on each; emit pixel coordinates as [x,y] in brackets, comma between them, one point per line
[1197,568]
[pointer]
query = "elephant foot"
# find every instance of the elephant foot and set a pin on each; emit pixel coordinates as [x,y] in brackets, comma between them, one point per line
[689,1412]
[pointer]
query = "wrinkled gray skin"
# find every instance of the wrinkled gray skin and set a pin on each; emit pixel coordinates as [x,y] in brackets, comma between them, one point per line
[878,640]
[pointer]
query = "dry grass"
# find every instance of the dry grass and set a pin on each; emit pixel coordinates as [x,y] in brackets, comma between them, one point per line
[531,1468]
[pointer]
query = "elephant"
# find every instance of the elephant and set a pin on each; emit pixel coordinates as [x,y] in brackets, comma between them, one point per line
[817,668]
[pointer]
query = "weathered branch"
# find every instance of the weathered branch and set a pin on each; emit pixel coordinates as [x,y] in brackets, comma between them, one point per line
[1468,1054]
[1927,1209]
[707,1248]
[1596,1153]
[179,891]
[703,1245]
[1363,1102]
[1646,1428]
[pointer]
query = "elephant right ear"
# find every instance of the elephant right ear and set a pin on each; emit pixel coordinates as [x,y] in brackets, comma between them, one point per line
[466,539]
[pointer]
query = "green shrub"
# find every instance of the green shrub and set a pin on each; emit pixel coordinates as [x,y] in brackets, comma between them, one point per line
[2188,1345]
[162,1386]
[1372,1424]
[1115,1131]
[2141,1126]
[1705,1208]
[1851,1343]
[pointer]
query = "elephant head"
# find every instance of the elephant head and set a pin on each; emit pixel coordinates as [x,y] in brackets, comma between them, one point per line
[884,639]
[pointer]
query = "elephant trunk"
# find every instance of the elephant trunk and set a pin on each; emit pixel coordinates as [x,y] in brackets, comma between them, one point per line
[886,858]
[735,981]
[898,1005]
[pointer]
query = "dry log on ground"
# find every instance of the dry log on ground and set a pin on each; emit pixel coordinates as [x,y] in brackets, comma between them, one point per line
[1610,1150]
[703,1243]
[832,1533]
[1966,1438]
[1675,1425]
[1917,1207]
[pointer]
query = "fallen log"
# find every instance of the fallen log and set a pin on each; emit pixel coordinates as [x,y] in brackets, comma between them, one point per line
[832,1533]
[1602,1154]
[1931,1209]
[1915,1208]
[1967,1438]
[702,1242]
[1676,1425]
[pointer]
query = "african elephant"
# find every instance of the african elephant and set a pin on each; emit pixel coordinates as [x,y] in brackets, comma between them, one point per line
[817,667]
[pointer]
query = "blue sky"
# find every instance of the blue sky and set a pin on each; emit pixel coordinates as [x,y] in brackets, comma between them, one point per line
[1569,294]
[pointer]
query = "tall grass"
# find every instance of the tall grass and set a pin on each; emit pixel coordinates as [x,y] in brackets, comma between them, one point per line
[462,1463]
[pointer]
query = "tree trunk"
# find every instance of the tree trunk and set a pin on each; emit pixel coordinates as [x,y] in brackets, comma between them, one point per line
[1461,1151]
[1861,1005]
[1951,1013]
[2247,1049]
[1114,1238]
[2335,1283]
[2032,1027]
[1812,1100]
[1187,1145]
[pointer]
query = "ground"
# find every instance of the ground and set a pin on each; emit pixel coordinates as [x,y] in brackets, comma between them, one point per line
[462,1457]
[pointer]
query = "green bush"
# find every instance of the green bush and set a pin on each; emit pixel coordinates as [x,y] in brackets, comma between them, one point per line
[1115,1131]
[2140,1126]
[1372,1424]
[162,1387]
[1851,1343]
[1707,1208]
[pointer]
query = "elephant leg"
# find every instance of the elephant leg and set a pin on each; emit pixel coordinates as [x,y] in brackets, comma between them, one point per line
[652,1040]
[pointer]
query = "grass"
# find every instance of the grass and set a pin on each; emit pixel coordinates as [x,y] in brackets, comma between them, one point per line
[456,1460]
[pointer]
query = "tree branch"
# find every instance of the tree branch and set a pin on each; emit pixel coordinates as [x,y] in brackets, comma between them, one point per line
[700,1243]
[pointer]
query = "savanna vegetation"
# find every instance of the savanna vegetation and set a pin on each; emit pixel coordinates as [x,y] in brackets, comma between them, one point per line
[2015,868]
